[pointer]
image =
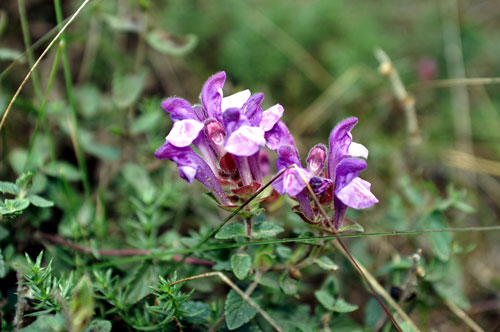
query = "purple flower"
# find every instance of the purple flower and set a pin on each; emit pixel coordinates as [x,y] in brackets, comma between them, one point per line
[228,132]
[341,174]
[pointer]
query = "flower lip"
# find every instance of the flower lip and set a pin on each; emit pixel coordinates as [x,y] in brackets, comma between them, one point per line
[245,141]
[184,132]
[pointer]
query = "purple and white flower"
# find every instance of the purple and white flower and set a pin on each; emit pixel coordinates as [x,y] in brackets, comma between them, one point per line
[225,130]
[345,161]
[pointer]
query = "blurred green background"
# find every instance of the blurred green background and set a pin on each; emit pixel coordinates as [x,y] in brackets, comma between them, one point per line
[316,58]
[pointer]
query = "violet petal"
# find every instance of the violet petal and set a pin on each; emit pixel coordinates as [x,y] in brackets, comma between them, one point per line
[245,141]
[271,116]
[179,109]
[347,170]
[251,109]
[291,182]
[357,195]
[184,132]
[210,96]
[340,139]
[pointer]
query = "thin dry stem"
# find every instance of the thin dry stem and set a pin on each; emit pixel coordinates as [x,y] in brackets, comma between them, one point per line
[38,62]
[463,316]
[406,100]
[453,82]
[468,162]
[245,296]
[456,70]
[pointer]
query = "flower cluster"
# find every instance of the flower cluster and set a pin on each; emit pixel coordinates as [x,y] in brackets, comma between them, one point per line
[228,134]
[332,173]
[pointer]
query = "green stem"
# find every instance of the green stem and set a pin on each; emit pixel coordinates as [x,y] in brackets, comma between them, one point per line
[69,90]
[29,51]
[310,241]
[41,114]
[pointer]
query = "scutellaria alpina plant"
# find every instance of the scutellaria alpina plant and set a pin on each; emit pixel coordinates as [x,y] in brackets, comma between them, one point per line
[229,134]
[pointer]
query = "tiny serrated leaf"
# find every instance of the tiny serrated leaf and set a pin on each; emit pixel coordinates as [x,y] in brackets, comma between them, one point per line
[351,225]
[326,263]
[241,264]
[231,231]
[40,201]
[342,306]
[238,311]
[14,205]
[265,230]
[9,188]
[325,298]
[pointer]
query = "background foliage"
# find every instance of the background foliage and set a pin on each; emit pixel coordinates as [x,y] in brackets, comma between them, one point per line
[79,177]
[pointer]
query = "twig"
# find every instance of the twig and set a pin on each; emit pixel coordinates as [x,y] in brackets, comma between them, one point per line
[117,252]
[18,317]
[448,83]
[38,61]
[463,316]
[468,162]
[456,69]
[406,100]
[245,297]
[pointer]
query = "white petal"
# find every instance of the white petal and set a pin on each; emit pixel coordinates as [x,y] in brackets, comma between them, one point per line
[235,100]
[245,141]
[357,194]
[271,116]
[187,173]
[358,150]
[184,132]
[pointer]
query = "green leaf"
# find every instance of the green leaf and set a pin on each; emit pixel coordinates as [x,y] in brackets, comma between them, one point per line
[325,298]
[23,181]
[61,169]
[99,325]
[126,89]
[266,230]
[450,285]
[88,99]
[238,311]
[342,306]
[40,201]
[9,188]
[145,122]
[169,44]
[241,264]
[440,241]
[47,323]
[140,180]
[231,231]
[8,54]
[14,205]
[288,284]
[351,225]
[196,312]
[326,263]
